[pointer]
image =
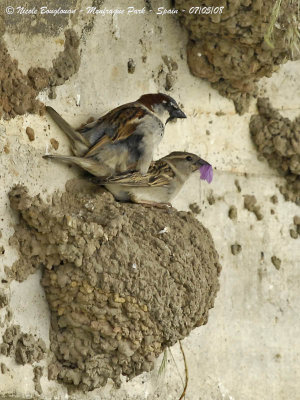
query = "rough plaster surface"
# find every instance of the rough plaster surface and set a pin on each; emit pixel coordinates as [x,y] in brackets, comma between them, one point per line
[249,348]
[122,282]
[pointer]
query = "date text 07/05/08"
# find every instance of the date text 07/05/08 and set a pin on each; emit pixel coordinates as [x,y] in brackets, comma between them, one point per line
[165,11]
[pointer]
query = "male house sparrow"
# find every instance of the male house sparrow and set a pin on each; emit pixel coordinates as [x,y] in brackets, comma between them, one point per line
[123,139]
[162,182]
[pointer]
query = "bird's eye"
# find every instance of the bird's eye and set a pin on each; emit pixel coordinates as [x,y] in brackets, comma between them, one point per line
[189,158]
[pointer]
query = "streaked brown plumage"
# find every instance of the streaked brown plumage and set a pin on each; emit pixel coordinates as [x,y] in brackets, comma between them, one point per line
[159,185]
[123,139]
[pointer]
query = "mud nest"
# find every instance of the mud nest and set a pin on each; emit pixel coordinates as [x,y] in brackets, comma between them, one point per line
[244,43]
[278,140]
[122,281]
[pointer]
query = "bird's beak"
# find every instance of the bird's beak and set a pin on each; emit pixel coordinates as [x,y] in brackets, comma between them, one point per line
[197,164]
[200,162]
[178,114]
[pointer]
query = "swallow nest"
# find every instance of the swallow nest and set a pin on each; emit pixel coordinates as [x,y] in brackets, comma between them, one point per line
[122,281]
[241,44]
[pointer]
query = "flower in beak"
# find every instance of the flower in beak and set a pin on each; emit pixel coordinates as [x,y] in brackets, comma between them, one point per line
[206,172]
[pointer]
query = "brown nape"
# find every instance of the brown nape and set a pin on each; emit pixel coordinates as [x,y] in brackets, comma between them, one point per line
[150,99]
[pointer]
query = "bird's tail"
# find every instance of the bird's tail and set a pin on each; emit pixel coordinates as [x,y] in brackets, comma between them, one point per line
[72,159]
[72,134]
[91,165]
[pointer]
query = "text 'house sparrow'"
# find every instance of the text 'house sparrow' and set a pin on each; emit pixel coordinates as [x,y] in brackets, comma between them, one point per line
[123,139]
[162,182]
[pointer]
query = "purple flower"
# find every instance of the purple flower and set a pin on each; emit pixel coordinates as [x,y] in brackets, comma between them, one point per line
[206,172]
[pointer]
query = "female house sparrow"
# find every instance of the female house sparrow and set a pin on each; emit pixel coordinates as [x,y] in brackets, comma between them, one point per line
[161,184]
[123,139]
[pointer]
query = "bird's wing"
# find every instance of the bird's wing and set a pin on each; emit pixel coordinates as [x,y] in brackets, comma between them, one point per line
[159,174]
[116,125]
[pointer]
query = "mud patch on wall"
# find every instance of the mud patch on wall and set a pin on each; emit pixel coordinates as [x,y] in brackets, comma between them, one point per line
[23,347]
[230,49]
[236,249]
[171,76]
[37,374]
[67,62]
[250,205]
[3,300]
[18,91]
[276,262]
[232,213]
[294,233]
[278,140]
[120,286]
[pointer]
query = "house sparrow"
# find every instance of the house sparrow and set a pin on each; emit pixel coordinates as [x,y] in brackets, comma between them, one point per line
[123,139]
[162,182]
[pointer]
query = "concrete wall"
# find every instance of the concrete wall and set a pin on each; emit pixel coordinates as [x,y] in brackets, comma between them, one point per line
[250,347]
